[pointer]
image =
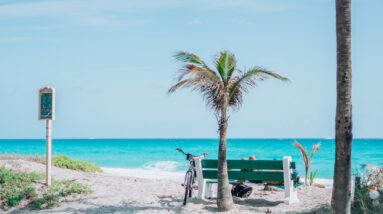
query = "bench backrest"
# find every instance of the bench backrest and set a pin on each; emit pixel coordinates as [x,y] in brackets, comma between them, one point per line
[262,170]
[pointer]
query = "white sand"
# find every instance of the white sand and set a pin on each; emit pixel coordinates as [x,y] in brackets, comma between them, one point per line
[125,191]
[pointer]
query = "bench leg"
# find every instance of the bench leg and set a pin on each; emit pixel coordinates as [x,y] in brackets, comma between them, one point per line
[201,189]
[200,180]
[291,195]
[208,193]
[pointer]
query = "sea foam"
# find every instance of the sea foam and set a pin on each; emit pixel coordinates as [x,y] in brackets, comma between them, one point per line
[151,170]
[162,165]
[158,173]
[145,173]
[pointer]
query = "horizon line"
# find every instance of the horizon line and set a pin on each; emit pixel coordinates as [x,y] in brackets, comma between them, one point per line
[207,138]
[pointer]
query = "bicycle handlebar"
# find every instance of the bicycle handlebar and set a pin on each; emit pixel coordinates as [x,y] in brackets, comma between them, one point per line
[180,150]
[187,154]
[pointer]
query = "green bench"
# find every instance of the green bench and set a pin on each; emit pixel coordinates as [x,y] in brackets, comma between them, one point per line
[251,170]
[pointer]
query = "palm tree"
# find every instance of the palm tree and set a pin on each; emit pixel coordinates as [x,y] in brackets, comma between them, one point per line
[341,194]
[222,90]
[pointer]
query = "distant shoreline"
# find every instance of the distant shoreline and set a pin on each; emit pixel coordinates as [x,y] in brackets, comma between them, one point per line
[212,138]
[172,175]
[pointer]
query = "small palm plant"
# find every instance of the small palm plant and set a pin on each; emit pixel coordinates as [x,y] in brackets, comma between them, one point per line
[312,176]
[223,89]
[306,158]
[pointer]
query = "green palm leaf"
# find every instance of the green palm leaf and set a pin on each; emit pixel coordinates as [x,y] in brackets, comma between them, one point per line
[192,59]
[248,79]
[226,65]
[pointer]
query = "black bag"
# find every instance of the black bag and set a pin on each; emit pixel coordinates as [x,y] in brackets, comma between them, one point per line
[241,191]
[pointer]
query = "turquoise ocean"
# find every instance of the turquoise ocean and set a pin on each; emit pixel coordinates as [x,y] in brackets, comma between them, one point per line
[160,154]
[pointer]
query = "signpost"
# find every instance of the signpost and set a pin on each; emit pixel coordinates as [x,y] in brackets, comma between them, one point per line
[47,113]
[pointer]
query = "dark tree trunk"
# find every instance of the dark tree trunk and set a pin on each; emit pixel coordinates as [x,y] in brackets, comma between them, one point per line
[224,198]
[341,195]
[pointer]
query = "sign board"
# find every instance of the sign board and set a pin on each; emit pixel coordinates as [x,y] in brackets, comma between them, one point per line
[47,103]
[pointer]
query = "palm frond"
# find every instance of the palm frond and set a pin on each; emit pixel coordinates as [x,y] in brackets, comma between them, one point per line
[314,149]
[305,158]
[236,100]
[197,76]
[226,65]
[192,59]
[187,57]
[247,80]
[303,152]
[190,69]
[220,87]
[179,85]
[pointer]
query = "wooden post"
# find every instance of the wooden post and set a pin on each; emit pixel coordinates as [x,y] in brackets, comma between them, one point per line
[48,152]
[47,113]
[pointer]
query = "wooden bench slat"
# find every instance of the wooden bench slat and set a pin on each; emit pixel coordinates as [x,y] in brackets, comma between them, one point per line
[240,175]
[247,164]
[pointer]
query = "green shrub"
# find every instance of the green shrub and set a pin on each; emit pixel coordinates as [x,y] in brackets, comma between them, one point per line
[16,186]
[68,163]
[68,187]
[58,190]
[7,175]
[46,202]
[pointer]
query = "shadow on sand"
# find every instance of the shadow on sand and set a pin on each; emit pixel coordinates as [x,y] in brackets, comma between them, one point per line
[167,204]
[258,202]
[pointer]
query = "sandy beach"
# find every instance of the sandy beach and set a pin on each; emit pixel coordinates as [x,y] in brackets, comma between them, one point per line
[125,193]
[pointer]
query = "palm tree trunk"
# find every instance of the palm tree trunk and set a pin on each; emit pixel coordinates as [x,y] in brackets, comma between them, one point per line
[224,198]
[341,195]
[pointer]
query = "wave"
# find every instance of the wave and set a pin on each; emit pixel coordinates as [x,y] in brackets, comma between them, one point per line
[162,165]
[152,170]
[145,173]
[156,173]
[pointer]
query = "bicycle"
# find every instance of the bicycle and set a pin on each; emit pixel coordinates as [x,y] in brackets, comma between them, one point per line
[190,174]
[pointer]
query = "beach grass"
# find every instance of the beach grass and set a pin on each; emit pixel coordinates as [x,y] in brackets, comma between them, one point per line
[66,162]
[16,186]
[61,161]
[36,158]
[59,189]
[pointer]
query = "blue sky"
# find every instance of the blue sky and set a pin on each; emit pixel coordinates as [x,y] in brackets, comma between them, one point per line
[111,64]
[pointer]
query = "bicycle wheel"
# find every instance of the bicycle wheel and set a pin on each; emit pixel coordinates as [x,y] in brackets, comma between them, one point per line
[191,178]
[187,185]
